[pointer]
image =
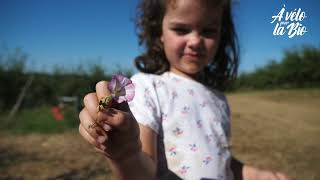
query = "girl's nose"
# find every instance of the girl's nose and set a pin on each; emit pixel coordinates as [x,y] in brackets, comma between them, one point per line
[195,41]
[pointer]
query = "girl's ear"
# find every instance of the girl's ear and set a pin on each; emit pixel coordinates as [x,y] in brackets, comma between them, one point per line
[161,38]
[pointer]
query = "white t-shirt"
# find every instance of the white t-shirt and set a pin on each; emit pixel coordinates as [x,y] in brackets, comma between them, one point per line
[191,121]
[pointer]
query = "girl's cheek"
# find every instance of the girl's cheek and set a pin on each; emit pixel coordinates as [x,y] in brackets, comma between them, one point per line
[212,45]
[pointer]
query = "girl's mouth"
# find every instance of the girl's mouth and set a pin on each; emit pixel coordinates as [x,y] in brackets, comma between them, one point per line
[193,56]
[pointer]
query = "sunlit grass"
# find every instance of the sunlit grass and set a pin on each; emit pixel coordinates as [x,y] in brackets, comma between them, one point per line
[39,120]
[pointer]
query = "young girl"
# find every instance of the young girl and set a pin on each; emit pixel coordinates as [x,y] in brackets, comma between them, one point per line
[178,124]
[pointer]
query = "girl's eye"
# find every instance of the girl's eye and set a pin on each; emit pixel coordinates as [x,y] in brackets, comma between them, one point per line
[180,31]
[209,32]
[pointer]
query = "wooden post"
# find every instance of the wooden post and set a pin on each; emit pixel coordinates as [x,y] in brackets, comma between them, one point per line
[20,98]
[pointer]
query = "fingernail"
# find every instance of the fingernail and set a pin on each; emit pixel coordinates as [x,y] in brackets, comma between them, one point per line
[101,139]
[106,127]
[102,147]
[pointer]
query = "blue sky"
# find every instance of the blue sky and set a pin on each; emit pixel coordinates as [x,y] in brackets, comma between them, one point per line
[72,32]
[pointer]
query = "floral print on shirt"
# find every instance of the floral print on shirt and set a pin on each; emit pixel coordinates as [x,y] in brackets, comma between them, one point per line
[193,147]
[207,160]
[177,131]
[193,122]
[184,170]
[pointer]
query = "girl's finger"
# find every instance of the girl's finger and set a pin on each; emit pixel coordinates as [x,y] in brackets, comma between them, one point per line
[101,150]
[92,128]
[88,137]
[110,116]
[282,176]
[115,118]
[91,103]
[102,92]
[102,89]
[95,142]
[118,115]
[122,106]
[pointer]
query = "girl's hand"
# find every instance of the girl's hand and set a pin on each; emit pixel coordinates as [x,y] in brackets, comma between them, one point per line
[113,131]
[258,174]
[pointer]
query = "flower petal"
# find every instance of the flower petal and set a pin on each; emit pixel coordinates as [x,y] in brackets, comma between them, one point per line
[121,88]
[112,85]
[121,99]
[129,92]
[123,80]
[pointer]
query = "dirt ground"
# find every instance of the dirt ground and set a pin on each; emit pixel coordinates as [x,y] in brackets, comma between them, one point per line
[276,130]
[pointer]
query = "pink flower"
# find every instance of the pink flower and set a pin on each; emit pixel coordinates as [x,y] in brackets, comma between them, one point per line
[121,88]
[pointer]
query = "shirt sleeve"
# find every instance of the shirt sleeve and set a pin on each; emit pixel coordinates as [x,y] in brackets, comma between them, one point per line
[145,105]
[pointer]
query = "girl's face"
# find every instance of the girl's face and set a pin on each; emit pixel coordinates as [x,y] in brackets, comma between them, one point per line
[190,36]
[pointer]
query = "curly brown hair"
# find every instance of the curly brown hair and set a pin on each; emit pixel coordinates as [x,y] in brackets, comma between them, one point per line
[218,74]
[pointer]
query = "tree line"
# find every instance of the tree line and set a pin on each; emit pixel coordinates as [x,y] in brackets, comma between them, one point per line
[299,68]
[46,87]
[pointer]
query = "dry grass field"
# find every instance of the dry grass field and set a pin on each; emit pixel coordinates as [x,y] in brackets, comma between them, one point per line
[278,130]
[273,129]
